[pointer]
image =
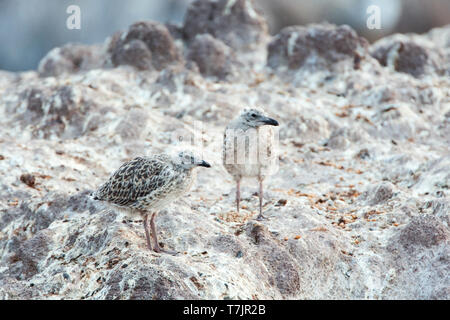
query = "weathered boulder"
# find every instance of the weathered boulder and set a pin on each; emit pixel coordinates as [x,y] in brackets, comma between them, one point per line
[134,53]
[357,209]
[235,22]
[31,254]
[408,56]
[421,246]
[138,282]
[423,232]
[71,58]
[344,136]
[12,289]
[379,194]
[280,266]
[316,46]
[212,56]
[142,43]
[55,111]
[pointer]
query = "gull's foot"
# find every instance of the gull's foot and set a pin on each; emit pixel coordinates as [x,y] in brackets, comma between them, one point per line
[158,249]
[260,217]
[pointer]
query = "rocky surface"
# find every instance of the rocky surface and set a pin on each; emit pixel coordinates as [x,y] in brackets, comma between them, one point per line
[71,58]
[358,209]
[143,45]
[417,56]
[322,45]
[238,23]
[212,57]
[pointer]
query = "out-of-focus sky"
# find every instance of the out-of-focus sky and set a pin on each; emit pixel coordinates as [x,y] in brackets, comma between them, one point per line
[31,28]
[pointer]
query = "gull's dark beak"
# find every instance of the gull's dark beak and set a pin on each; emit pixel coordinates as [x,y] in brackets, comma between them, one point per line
[204,164]
[270,122]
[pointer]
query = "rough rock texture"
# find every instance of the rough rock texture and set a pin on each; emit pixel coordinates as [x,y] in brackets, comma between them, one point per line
[143,45]
[134,53]
[425,243]
[48,111]
[236,22]
[358,209]
[317,45]
[212,56]
[406,55]
[71,58]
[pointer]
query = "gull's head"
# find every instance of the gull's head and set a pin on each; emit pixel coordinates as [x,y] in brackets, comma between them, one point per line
[188,160]
[255,118]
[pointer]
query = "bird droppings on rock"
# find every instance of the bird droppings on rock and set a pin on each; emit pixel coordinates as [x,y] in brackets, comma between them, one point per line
[372,215]
[408,56]
[316,46]
[379,194]
[54,111]
[31,254]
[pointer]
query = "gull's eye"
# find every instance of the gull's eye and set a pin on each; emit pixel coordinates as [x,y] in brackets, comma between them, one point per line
[253,115]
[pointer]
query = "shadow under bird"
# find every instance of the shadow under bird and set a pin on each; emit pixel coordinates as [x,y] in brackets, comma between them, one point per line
[248,150]
[145,185]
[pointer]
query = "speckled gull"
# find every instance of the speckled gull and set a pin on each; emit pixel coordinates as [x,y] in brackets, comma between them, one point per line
[248,151]
[146,185]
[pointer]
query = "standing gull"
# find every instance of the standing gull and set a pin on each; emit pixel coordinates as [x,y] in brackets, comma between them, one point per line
[145,185]
[248,149]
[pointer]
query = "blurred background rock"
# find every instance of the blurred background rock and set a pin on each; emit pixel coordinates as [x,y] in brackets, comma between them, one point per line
[31,28]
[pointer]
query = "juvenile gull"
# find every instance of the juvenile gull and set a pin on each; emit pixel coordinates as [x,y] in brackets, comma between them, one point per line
[145,185]
[248,150]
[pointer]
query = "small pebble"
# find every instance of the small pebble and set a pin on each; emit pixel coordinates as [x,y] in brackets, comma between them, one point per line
[28,179]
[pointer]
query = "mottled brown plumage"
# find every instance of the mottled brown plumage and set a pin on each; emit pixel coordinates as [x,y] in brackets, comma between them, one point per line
[148,184]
